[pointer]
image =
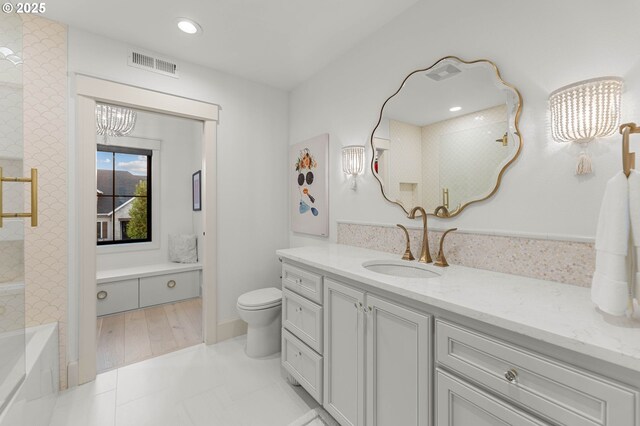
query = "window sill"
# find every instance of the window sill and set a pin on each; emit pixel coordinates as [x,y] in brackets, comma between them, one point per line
[125,248]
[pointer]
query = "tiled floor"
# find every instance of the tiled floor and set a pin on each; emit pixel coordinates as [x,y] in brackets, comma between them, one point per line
[201,385]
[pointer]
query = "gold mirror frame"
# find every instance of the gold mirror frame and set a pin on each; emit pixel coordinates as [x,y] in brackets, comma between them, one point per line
[441,211]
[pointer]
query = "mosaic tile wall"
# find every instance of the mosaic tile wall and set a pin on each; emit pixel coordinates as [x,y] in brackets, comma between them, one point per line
[562,261]
[45,146]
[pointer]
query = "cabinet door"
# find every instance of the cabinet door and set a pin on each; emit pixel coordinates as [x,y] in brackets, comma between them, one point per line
[344,353]
[461,404]
[398,365]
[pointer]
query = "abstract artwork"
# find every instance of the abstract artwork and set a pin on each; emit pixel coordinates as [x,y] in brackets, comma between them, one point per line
[309,171]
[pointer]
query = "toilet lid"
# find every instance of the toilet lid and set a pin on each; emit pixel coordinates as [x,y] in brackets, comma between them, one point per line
[263,298]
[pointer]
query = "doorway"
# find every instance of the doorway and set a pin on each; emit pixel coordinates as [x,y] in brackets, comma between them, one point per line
[148,271]
[89,92]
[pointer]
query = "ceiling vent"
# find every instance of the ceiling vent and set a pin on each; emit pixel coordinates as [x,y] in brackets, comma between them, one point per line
[151,62]
[443,72]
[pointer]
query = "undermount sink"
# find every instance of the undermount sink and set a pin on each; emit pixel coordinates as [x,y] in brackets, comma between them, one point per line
[400,268]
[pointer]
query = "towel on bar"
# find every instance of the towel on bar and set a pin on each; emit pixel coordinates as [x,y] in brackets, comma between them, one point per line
[634,213]
[610,286]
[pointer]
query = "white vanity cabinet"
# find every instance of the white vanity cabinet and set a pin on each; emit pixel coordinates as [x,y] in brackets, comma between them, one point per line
[302,328]
[390,359]
[549,388]
[377,360]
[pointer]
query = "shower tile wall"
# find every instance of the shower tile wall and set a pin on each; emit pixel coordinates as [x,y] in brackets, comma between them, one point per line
[45,145]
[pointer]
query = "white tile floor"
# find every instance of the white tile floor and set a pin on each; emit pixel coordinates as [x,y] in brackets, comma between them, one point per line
[202,385]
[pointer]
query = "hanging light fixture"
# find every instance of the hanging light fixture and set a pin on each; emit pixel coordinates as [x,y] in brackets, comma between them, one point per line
[586,110]
[114,121]
[353,162]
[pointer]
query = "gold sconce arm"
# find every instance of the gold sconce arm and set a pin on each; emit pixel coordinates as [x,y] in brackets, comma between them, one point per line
[407,253]
[34,197]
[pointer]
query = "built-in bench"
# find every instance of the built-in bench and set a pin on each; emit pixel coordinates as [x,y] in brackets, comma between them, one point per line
[125,289]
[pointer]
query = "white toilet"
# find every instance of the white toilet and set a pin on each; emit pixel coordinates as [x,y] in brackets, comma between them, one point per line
[260,309]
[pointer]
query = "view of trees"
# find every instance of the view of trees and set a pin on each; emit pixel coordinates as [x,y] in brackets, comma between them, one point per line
[137,226]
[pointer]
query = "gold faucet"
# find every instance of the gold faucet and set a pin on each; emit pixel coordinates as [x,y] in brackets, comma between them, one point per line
[407,253]
[425,256]
[444,209]
[440,260]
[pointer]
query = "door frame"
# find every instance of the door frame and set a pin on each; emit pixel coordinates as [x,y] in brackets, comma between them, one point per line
[88,91]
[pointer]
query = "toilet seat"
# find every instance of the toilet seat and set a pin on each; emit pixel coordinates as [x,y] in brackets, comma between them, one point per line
[264,298]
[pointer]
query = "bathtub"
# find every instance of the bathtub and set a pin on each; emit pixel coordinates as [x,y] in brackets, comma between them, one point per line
[34,400]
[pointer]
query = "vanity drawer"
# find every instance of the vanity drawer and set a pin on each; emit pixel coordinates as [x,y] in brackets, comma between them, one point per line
[557,391]
[303,364]
[460,404]
[169,288]
[117,297]
[302,282]
[302,318]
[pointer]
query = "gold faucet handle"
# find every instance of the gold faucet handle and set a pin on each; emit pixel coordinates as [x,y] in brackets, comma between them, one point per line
[441,260]
[407,253]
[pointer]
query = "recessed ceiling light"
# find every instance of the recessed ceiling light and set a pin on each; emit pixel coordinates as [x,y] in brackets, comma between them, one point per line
[188,26]
[455,109]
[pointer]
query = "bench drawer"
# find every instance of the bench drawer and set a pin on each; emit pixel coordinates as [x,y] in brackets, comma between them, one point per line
[117,297]
[303,364]
[556,391]
[169,288]
[303,282]
[302,318]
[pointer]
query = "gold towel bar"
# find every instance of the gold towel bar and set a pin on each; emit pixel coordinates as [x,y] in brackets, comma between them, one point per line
[34,197]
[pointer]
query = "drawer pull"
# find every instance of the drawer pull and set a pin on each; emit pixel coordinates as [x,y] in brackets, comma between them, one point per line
[171,283]
[102,295]
[511,375]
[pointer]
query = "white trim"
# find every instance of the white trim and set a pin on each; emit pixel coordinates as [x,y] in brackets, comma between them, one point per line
[88,90]
[231,329]
[494,232]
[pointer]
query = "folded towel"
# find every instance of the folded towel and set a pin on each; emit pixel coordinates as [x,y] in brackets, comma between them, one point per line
[610,286]
[634,213]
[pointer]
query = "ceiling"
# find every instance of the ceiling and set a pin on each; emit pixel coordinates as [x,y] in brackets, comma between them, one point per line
[277,42]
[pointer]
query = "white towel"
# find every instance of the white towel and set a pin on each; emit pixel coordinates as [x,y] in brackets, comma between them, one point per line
[634,213]
[610,286]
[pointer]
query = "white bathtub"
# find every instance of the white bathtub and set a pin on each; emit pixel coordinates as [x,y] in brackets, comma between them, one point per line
[35,399]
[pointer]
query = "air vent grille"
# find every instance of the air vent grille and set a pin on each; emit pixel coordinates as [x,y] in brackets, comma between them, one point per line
[142,60]
[151,62]
[166,66]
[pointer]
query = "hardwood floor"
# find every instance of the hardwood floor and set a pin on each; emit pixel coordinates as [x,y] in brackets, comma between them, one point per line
[133,336]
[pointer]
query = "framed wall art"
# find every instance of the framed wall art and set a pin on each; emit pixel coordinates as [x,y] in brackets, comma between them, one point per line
[309,180]
[196,190]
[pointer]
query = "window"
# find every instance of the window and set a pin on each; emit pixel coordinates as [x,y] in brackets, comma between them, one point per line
[124,195]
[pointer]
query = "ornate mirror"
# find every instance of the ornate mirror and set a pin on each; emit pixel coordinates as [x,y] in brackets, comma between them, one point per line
[446,136]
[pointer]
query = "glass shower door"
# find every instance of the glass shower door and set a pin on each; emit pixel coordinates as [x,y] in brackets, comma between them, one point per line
[12,323]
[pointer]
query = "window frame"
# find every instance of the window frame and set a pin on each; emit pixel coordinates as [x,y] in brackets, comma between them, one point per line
[114,149]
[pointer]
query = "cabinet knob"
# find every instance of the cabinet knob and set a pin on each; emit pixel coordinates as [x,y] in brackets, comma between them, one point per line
[171,283]
[511,375]
[102,295]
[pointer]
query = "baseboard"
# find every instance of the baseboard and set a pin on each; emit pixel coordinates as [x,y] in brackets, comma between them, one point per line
[72,374]
[230,329]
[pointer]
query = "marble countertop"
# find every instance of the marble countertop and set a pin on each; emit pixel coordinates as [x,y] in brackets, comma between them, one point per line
[556,313]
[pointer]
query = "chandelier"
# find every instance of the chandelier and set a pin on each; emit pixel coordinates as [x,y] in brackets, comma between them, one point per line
[114,121]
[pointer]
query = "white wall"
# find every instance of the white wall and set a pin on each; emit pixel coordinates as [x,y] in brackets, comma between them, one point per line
[252,155]
[180,156]
[538,46]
